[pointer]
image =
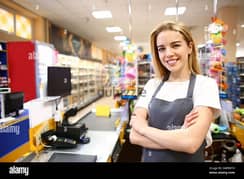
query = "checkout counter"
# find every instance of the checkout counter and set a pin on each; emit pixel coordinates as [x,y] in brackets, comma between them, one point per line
[105,135]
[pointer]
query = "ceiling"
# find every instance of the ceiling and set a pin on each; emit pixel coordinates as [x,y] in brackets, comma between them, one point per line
[76,17]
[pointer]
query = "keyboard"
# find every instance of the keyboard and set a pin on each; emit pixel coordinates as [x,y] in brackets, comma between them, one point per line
[69,157]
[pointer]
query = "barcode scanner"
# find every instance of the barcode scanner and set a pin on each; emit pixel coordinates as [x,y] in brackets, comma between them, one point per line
[69,113]
[50,138]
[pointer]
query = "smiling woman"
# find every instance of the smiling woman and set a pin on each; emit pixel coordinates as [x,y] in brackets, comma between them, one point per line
[176,104]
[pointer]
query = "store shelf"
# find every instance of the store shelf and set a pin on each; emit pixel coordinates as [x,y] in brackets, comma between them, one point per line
[86,79]
[204,55]
[213,65]
[233,81]
[3,66]
[145,71]
[240,66]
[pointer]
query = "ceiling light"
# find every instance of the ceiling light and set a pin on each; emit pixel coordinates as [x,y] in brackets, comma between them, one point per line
[120,38]
[113,29]
[242,25]
[238,44]
[102,14]
[170,11]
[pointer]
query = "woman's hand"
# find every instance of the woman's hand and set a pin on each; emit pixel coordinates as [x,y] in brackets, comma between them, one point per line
[190,119]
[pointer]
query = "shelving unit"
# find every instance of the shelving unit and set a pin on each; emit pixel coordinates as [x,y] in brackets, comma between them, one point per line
[112,78]
[240,66]
[4,82]
[145,71]
[87,79]
[233,81]
[204,55]
[212,65]
[4,76]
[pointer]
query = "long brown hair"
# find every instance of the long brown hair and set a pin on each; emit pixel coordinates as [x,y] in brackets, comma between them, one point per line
[159,69]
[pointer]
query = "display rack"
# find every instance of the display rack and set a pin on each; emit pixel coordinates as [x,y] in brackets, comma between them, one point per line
[112,73]
[3,67]
[86,78]
[240,66]
[233,81]
[217,30]
[204,55]
[145,71]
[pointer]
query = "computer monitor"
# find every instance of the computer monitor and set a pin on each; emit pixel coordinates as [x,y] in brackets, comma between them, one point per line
[13,102]
[58,81]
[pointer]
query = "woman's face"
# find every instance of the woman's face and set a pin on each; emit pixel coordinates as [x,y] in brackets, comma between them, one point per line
[173,51]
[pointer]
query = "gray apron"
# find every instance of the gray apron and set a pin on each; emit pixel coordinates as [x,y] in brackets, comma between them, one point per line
[167,115]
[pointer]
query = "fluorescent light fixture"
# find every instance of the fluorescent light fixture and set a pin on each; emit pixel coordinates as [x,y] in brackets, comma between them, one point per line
[120,38]
[113,29]
[102,14]
[171,11]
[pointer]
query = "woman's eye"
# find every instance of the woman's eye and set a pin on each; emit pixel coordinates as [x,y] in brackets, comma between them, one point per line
[176,45]
[161,49]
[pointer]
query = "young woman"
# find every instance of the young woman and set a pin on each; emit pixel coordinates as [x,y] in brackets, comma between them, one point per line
[158,118]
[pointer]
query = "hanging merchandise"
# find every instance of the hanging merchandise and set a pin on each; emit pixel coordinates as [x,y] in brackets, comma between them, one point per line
[126,88]
[129,74]
[217,30]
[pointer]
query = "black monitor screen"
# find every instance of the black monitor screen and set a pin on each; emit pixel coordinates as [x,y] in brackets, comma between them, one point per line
[58,81]
[13,102]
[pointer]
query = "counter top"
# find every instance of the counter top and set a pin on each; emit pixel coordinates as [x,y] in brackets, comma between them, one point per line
[100,123]
[101,144]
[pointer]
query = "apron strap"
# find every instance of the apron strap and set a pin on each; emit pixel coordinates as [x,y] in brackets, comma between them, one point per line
[158,88]
[165,78]
[191,86]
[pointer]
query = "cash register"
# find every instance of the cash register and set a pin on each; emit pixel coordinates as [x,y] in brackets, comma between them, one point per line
[66,135]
